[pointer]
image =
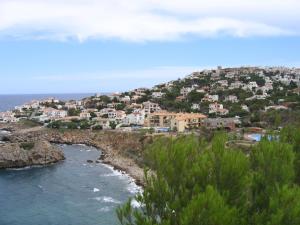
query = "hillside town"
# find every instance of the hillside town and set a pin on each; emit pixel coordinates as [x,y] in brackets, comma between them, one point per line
[215,99]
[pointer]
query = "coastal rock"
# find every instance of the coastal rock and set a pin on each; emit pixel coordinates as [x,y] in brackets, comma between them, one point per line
[36,153]
[89,161]
[120,149]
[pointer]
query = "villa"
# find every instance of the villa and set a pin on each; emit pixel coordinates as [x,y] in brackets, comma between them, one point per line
[175,121]
[150,107]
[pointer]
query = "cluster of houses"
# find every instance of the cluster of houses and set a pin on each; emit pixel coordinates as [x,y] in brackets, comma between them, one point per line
[8,117]
[145,115]
[150,114]
[229,79]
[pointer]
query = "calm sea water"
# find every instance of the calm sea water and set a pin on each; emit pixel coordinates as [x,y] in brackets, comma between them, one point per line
[72,192]
[8,102]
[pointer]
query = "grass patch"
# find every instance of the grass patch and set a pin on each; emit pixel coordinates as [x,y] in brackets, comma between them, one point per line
[30,123]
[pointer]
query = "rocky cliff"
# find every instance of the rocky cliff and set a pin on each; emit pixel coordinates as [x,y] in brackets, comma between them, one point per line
[121,150]
[20,154]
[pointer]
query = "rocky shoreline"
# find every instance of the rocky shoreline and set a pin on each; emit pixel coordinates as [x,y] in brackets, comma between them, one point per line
[14,155]
[121,150]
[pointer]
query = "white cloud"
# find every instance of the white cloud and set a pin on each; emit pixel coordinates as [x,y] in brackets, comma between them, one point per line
[147,20]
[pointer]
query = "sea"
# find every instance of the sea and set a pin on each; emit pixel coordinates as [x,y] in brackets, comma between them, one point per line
[71,192]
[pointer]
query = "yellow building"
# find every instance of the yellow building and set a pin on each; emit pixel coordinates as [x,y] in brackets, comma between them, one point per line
[175,121]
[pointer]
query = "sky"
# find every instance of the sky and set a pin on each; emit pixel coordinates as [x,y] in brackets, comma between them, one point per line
[94,46]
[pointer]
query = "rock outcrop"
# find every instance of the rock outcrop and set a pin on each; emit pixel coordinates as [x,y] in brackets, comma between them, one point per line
[19,154]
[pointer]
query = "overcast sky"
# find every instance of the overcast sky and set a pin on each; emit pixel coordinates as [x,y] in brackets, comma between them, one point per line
[55,46]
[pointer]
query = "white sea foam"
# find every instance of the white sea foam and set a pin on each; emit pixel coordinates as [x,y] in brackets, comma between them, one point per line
[135,204]
[23,168]
[133,188]
[114,173]
[81,145]
[109,175]
[27,167]
[107,199]
[96,190]
[41,187]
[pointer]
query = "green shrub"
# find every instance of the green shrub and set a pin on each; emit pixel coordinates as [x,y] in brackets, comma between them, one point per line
[27,145]
[209,184]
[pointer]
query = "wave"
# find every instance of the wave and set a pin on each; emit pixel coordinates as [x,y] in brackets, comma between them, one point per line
[114,173]
[96,190]
[17,169]
[133,188]
[135,204]
[106,199]
[26,167]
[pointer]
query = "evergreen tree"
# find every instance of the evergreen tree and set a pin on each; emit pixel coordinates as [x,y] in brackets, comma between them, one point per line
[193,182]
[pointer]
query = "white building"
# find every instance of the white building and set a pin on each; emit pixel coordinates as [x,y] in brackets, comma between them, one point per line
[223,83]
[125,99]
[210,98]
[235,85]
[117,115]
[136,118]
[54,113]
[8,117]
[140,91]
[231,98]
[185,91]
[151,107]
[245,108]
[157,94]
[105,111]
[195,106]
[50,100]
[230,75]
[85,115]
[70,105]
[217,109]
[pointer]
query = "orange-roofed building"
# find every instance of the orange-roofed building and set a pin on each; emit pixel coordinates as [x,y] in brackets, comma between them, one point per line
[175,121]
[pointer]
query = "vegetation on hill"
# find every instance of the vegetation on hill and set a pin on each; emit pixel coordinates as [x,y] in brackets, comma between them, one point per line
[202,183]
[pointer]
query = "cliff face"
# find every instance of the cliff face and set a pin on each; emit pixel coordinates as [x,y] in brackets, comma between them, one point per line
[18,155]
[121,150]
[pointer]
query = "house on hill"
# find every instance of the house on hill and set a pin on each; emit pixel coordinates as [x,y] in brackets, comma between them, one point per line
[175,121]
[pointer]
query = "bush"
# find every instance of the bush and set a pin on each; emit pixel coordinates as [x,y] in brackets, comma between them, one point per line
[210,184]
[27,145]
[97,127]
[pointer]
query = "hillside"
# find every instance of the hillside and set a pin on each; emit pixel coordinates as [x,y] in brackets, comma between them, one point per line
[267,97]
